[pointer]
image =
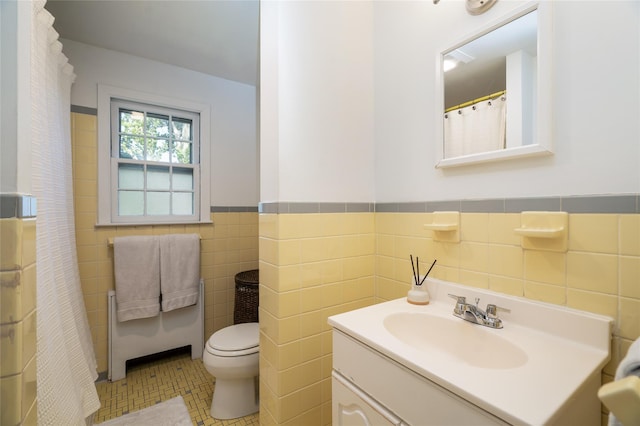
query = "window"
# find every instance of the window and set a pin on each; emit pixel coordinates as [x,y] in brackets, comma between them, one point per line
[153,170]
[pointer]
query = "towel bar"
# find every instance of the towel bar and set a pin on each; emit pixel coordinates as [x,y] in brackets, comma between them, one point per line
[110,240]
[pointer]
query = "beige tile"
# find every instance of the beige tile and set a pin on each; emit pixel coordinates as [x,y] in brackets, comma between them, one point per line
[448,254]
[545,293]
[288,304]
[357,267]
[474,257]
[310,348]
[593,272]
[11,348]
[501,226]
[29,326]
[474,227]
[598,303]
[597,233]
[11,291]
[10,244]
[311,299]
[545,267]
[474,279]
[630,235]
[86,122]
[512,286]
[11,391]
[309,323]
[629,326]
[28,242]
[360,288]
[28,387]
[630,276]
[506,260]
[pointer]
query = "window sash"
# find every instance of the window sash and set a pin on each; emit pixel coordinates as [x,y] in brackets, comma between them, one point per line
[148,193]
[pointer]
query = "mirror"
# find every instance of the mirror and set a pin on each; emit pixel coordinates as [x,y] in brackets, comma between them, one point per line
[494,91]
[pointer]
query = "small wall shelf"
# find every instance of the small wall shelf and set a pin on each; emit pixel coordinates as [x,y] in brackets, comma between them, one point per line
[547,231]
[446,226]
[540,232]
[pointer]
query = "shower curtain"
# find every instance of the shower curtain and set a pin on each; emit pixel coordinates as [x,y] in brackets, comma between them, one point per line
[477,128]
[66,364]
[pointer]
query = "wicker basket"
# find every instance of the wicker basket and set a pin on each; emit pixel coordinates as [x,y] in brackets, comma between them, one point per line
[246,305]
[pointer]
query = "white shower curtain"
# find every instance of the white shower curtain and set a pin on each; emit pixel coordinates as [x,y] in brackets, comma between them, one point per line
[477,128]
[66,364]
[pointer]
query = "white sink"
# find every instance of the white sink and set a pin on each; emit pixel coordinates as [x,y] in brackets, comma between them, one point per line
[469,343]
[543,367]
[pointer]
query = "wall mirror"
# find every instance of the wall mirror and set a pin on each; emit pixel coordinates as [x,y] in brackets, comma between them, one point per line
[494,91]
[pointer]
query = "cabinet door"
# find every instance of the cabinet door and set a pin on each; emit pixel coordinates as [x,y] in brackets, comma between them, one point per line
[352,407]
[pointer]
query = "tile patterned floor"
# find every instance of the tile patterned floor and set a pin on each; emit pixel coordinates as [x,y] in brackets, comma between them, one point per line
[161,379]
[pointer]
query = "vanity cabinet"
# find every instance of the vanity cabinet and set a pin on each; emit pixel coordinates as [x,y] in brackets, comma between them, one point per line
[370,388]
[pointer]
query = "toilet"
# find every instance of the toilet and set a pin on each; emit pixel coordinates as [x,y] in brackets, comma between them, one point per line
[231,355]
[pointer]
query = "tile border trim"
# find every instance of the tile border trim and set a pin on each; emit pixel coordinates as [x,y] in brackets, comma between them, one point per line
[234,209]
[605,204]
[84,110]
[17,206]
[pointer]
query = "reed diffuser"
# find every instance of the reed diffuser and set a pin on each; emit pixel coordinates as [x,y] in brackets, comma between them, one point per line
[418,295]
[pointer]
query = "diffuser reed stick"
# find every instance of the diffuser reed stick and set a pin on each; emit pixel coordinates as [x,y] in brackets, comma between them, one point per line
[427,274]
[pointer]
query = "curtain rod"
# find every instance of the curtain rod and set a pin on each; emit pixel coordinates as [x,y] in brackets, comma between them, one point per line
[475,101]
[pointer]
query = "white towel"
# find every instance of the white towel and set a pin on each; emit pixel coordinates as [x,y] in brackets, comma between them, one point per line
[137,271]
[630,364]
[179,270]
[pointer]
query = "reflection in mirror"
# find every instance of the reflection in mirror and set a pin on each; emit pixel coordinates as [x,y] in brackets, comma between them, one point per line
[490,88]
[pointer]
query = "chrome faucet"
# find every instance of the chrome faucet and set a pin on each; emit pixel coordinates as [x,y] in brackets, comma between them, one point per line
[473,313]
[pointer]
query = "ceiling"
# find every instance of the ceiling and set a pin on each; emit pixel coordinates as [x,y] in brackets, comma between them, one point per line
[216,37]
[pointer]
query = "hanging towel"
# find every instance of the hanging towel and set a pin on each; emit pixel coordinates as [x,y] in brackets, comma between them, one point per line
[629,366]
[179,270]
[137,270]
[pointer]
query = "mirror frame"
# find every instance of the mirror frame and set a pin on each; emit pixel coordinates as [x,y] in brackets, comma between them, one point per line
[543,145]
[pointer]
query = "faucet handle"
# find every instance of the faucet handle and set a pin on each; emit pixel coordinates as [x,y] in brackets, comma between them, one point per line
[492,310]
[459,299]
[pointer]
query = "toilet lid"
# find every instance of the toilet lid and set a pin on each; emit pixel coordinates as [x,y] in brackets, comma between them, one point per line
[236,337]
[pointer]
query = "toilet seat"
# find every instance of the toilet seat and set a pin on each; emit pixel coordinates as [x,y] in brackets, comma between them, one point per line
[235,340]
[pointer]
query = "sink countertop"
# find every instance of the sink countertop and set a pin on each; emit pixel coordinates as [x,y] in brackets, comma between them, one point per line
[563,347]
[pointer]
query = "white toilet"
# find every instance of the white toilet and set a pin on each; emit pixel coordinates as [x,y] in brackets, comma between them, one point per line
[231,356]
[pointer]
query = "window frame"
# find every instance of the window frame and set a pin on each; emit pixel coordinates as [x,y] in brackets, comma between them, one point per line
[108,164]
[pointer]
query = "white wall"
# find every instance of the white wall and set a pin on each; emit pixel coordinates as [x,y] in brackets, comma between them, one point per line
[596,106]
[317,101]
[234,160]
[15,98]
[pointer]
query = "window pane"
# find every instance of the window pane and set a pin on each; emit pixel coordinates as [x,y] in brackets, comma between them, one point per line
[131,122]
[130,203]
[181,128]
[130,176]
[182,179]
[158,203]
[158,150]
[158,177]
[132,147]
[181,153]
[183,203]
[157,125]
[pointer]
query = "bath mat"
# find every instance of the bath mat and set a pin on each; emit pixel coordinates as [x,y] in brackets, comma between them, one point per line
[168,413]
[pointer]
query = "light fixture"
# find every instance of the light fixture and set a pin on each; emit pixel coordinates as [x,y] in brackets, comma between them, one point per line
[476,7]
[454,58]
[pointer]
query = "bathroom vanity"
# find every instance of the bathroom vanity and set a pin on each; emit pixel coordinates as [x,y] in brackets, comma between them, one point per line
[402,364]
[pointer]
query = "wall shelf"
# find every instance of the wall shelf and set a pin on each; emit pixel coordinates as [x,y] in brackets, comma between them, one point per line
[539,232]
[545,231]
[445,226]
